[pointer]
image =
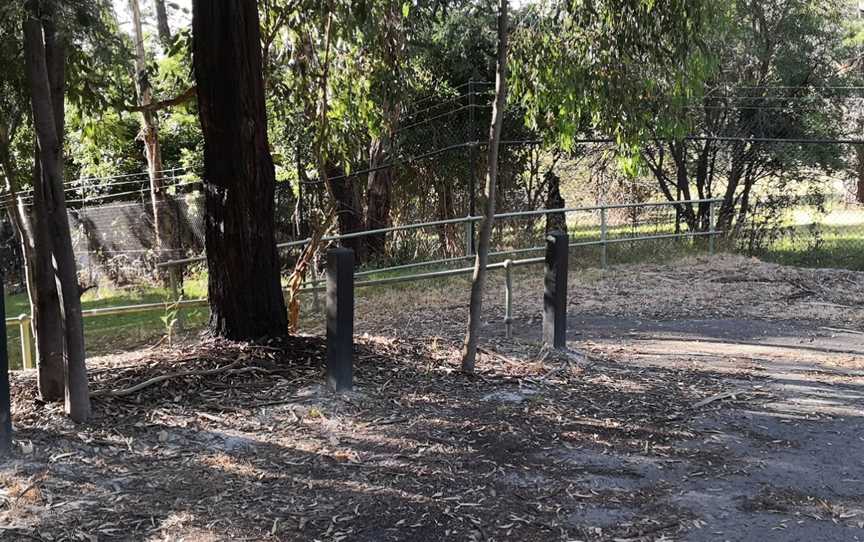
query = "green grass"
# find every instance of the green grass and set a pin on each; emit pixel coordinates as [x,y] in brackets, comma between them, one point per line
[110,334]
[833,240]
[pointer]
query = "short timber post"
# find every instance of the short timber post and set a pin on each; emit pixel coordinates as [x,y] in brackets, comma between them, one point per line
[5,392]
[26,342]
[604,236]
[340,318]
[555,296]
[508,298]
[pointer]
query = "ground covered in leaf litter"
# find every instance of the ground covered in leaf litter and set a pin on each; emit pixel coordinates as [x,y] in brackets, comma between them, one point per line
[682,416]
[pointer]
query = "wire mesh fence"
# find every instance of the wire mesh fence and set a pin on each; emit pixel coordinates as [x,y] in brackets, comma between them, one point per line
[794,201]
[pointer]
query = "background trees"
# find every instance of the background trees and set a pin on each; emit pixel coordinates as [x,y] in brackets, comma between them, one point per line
[376,111]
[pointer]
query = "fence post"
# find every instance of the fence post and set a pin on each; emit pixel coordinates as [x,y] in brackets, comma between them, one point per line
[508,298]
[5,392]
[469,236]
[175,278]
[711,229]
[340,318]
[604,235]
[316,279]
[555,295]
[24,331]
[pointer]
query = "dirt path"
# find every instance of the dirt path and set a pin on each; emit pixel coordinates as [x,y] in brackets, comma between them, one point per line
[789,438]
[685,416]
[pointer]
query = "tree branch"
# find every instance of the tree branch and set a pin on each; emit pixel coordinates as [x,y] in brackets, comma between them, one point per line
[187,96]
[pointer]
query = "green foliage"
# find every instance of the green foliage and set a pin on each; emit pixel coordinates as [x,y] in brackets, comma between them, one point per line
[619,67]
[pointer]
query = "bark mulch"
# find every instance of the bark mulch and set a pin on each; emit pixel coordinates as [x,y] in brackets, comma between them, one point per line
[242,442]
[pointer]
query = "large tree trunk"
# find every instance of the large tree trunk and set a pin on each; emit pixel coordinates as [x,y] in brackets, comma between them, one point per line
[46,125]
[475,309]
[164,211]
[245,293]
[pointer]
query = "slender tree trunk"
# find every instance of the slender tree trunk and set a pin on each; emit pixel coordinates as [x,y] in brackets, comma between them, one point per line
[164,215]
[476,307]
[46,322]
[162,23]
[349,212]
[246,299]
[37,62]
[446,232]
[736,171]
[45,299]
[379,194]
[378,197]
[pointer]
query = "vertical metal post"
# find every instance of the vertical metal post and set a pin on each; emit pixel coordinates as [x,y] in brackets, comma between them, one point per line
[316,278]
[711,229]
[472,163]
[26,342]
[469,236]
[555,295]
[175,278]
[508,298]
[340,318]
[604,236]
[5,391]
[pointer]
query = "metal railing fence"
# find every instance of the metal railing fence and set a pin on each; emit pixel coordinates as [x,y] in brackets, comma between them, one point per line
[175,267]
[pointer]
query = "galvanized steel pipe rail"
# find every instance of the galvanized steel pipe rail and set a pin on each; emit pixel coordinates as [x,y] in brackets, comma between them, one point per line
[24,321]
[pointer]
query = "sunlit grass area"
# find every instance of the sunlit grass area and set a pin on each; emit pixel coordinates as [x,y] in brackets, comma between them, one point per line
[835,239]
[116,333]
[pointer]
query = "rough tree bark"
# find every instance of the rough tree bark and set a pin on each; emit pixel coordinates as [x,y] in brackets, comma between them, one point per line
[162,23]
[45,306]
[475,309]
[378,196]
[239,178]
[164,213]
[39,278]
[46,126]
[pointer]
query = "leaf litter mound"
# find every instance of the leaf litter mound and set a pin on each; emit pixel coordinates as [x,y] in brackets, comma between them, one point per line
[243,442]
[227,441]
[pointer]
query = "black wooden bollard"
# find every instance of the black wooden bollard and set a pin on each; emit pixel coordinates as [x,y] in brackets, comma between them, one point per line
[5,392]
[340,318]
[555,295]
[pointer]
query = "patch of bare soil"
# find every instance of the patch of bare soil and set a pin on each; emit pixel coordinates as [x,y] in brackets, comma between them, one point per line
[709,288]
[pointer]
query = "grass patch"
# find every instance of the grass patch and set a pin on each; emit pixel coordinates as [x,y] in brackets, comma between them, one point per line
[835,239]
[110,334]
